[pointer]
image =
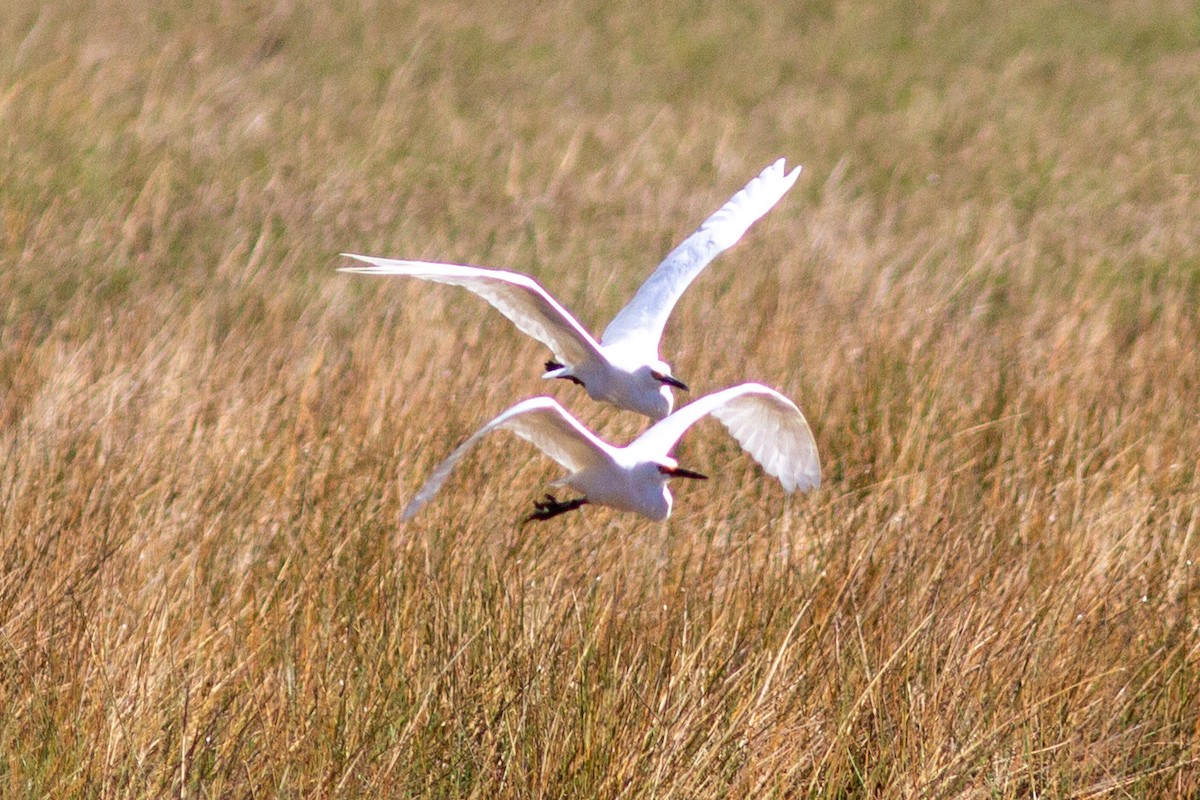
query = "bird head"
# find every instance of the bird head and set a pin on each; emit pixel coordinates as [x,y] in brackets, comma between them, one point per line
[653,476]
[659,380]
[671,469]
[661,372]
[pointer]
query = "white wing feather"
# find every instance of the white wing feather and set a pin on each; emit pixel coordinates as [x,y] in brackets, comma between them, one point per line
[766,424]
[516,296]
[640,323]
[540,420]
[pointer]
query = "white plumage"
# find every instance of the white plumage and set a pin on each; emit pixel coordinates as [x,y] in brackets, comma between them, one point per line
[634,478]
[624,367]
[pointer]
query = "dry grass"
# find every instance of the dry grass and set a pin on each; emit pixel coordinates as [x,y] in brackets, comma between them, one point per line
[983,292]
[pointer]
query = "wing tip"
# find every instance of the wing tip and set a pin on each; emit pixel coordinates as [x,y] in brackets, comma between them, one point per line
[356,257]
[777,173]
[411,509]
[805,482]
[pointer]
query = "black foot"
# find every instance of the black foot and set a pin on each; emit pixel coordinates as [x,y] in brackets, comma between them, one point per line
[552,507]
[553,365]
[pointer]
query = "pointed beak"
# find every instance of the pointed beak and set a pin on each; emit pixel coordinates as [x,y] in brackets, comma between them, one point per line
[673,381]
[680,472]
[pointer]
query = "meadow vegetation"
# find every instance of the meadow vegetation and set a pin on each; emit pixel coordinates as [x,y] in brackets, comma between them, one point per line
[983,292]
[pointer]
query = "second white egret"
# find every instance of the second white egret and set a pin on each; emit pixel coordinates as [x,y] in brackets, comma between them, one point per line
[634,478]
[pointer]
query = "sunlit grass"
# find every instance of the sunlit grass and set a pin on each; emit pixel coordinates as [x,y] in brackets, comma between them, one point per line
[983,292]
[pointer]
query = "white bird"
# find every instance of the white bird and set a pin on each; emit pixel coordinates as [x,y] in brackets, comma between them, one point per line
[634,478]
[624,367]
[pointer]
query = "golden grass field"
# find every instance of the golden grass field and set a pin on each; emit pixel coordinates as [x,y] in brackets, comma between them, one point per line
[983,292]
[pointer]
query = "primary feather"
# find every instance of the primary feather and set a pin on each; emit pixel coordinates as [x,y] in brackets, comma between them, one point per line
[516,296]
[539,420]
[640,323]
[766,424]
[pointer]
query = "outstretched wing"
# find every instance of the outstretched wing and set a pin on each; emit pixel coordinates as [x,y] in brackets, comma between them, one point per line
[640,323]
[766,424]
[516,296]
[540,420]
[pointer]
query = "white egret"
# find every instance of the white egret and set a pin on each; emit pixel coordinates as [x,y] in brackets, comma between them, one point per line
[634,478]
[624,367]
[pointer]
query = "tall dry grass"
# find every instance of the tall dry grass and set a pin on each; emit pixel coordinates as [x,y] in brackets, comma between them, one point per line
[983,292]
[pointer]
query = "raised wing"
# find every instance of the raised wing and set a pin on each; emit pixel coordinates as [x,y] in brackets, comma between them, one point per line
[766,424]
[516,296]
[640,323]
[540,420]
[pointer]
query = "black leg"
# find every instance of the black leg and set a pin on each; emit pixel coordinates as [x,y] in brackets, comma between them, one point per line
[553,365]
[552,507]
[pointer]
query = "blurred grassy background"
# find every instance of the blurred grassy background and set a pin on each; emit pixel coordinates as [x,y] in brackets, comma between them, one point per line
[983,292]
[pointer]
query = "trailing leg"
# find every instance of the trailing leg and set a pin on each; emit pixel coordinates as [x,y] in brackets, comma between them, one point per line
[551,507]
[552,365]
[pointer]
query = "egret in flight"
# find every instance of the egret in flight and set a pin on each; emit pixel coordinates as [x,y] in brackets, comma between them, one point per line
[634,478]
[624,367]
